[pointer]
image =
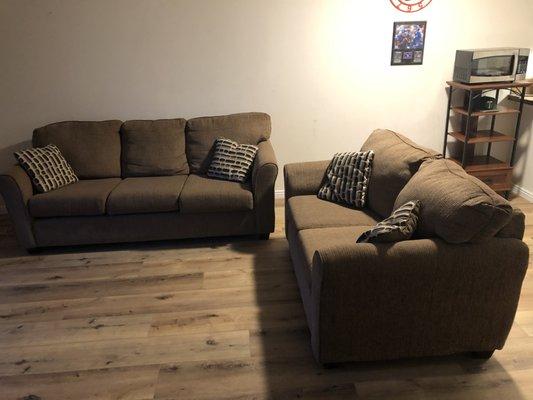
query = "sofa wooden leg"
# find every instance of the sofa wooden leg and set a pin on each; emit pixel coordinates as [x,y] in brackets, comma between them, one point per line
[482,355]
[264,236]
[35,251]
[332,365]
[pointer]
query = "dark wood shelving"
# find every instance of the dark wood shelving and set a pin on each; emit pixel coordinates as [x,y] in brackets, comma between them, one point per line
[487,86]
[482,136]
[495,173]
[482,163]
[499,111]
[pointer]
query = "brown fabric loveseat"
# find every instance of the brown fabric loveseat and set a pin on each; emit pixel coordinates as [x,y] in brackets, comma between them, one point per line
[145,180]
[421,297]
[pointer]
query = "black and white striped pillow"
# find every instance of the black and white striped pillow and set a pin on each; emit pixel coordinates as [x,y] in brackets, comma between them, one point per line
[399,226]
[46,167]
[347,178]
[231,161]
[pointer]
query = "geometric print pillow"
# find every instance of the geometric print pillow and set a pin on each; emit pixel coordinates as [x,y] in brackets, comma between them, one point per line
[399,226]
[231,161]
[347,178]
[46,167]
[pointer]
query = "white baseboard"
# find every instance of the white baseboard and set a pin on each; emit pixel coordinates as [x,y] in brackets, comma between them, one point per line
[279,193]
[526,194]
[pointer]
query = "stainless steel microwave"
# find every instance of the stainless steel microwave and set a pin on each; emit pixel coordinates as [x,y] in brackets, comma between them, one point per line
[490,65]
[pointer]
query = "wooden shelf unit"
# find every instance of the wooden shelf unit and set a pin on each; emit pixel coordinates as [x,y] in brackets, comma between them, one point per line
[499,111]
[495,173]
[482,136]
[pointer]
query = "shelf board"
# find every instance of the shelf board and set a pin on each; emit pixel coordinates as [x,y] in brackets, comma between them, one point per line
[490,85]
[482,136]
[499,111]
[483,163]
[501,187]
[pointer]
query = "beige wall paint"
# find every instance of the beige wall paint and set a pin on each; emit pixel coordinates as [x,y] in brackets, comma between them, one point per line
[319,67]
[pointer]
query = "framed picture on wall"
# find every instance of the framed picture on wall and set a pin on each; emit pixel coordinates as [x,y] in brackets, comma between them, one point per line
[408,39]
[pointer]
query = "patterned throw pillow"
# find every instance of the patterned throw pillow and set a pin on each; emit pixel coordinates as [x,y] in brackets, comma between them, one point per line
[46,167]
[231,161]
[399,226]
[347,178]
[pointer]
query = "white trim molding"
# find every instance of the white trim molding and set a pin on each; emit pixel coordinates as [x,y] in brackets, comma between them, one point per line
[526,194]
[279,193]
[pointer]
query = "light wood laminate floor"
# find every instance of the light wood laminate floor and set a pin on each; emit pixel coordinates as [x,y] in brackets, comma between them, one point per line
[205,319]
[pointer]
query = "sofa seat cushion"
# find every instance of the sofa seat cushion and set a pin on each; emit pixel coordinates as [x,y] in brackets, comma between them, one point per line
[146,195]
[396,160]
[311,240]
[153,148]
[92,148]
[310,212]
[82,198]
[201,194]
[456,206]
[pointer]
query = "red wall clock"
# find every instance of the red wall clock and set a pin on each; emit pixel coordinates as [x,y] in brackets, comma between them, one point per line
[410,6]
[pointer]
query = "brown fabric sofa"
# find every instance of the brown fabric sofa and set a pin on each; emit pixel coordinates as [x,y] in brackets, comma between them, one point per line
[420,297]
[145,180]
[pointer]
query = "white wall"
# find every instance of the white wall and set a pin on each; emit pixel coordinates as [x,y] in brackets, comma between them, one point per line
[320,68]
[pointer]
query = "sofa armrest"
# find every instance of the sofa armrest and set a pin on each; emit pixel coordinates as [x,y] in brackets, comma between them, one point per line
[264,174]
[16,189]
[415,298]
[304,178]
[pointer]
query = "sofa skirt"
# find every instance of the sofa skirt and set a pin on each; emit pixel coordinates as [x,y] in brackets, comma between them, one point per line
[66,231]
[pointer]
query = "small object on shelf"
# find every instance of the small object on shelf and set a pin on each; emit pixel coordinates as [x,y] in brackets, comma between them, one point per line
[497,174]
[485,103]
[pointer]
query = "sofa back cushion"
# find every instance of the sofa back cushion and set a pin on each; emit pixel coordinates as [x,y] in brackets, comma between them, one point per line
[153,148]
[396,160]
[455,206]
[92,148]
[201,133]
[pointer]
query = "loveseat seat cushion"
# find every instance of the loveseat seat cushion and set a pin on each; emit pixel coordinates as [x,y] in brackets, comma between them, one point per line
[308,212]
[201,133]
[82,198]
[456,206]
[153,148]
[396,160]
[201,194]
[146,195]
[92,148]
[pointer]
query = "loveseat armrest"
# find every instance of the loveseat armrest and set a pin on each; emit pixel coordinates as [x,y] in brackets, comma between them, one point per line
[264,174]
[304,178]
[414,298]
[16,189]
[516,226]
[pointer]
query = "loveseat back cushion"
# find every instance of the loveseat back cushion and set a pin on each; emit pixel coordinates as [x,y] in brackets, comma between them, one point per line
[92,148]
[396,160]
[455,206]
[153,148]
[201,133]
